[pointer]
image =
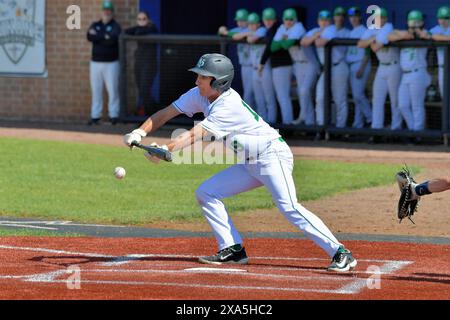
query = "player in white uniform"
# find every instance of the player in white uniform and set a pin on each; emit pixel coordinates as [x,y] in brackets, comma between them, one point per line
[243,51]
[359,63]
[339,72]
[415,77]
[306,70]
[388,75]
[266,161]
[286,36]
[441,32]
[266,104]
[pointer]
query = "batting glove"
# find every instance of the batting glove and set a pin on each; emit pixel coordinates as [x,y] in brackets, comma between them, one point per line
[136,135]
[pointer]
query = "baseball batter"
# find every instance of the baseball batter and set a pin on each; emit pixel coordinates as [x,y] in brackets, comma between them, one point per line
[388,75]
[441,32]
[415,77]
[359,63]
[288,34]
[339,71]
[243,51]
[266,161]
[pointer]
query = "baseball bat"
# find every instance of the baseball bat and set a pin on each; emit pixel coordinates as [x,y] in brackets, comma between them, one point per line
[154,151]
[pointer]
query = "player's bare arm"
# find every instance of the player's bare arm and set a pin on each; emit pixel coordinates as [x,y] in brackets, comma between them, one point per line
[308,41]
[360,72]
[187,138]
[440,37]
[321,42]
[376,46]
[398,35]
[366,43]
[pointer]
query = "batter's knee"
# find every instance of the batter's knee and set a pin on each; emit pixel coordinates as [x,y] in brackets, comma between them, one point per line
[201,194]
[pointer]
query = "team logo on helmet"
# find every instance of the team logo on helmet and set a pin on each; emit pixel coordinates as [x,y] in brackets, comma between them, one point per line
[201,62]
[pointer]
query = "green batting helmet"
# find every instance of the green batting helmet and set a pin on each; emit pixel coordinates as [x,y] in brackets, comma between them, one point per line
[253,18]
[289,14]
[443,13]
[241,15]
[324,15]
[339,11]
[217,66]
[415,15]
[382,12]
[269,14]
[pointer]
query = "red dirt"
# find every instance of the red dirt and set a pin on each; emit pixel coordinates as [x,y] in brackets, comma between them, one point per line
[427,277]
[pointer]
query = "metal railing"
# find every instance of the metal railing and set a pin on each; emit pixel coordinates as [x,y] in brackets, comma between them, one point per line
[222,45]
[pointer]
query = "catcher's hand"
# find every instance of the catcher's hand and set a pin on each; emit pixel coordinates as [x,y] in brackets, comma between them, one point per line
[408,202]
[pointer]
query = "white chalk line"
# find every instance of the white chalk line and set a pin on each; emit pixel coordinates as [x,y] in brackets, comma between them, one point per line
[55,223]
[354,287]
[388,268]
[25,226]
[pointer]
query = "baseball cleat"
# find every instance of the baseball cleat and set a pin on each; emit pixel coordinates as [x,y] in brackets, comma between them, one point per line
[229,255]
[342,261]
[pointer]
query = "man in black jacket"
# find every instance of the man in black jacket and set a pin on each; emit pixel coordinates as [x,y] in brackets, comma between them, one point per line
[104,35]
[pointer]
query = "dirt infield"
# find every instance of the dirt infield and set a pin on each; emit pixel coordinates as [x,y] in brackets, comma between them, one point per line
[369,211]
[101,268]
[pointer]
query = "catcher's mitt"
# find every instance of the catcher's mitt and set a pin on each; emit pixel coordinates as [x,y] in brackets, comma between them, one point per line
[409,201]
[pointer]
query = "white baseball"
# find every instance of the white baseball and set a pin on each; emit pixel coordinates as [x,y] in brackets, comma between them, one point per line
[120,173]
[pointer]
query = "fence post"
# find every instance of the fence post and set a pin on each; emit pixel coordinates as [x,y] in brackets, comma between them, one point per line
[327,86]
[123,77]
[445,98]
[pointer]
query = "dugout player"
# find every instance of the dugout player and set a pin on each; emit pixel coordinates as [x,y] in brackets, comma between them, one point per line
[415,77]
[359,64]
[243,51]
[266,160]
[104,67]
[441,32]
[145,60]
[388,75]
[339,71]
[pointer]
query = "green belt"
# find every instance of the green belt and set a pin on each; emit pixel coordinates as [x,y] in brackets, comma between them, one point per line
[409,71]
[388,64]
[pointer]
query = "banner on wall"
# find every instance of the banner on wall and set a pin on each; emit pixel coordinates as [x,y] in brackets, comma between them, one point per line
[22,38]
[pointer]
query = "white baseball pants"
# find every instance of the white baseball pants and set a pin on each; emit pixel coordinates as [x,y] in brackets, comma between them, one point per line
[387,80]
[363,110]
[339,89]
[247,84]
[306,75]
[411,101]
[105,73]
[282,77]
[273,170]
[266,103]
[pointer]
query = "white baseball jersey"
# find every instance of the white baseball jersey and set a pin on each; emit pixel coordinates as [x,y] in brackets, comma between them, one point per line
[413,58]
[257,50]
[231,119]
[355,54]
[386,54]
[243,50]
[296,32]
[440,50]
[309,53]
[339,52]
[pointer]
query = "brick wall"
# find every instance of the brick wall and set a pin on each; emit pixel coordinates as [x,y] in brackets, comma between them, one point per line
[65,94]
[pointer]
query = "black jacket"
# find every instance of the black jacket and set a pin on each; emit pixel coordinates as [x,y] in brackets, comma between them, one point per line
[279,58]
[144,50]
[105,44]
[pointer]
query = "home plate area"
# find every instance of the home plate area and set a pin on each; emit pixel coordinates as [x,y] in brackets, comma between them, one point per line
[91,268]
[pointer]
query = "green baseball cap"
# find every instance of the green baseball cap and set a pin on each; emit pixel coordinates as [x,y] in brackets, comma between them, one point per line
[269,14]
[324,15]
[415,15]
[354,11]
[107,5]
[443,13]
[253,18]
[289,14]
[382,12]
[241,15]
[339,11]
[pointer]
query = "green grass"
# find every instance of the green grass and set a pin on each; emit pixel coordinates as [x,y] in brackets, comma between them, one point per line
[70,181]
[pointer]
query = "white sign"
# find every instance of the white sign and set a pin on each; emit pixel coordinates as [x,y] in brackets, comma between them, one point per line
[22,38]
